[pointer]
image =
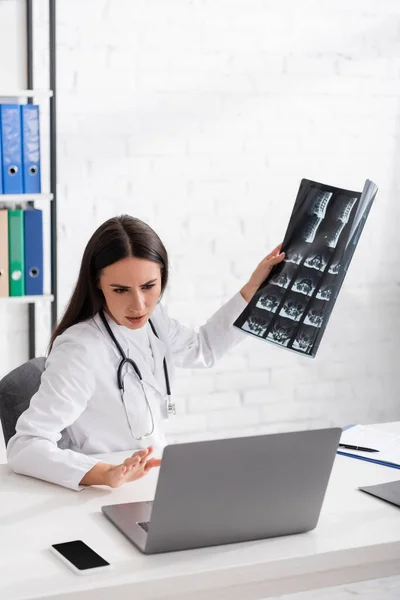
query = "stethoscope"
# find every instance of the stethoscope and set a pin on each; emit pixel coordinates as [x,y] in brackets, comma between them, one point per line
[171,410]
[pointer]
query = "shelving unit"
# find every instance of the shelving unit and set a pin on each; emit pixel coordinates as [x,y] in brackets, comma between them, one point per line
[26,94]
[18,198]
[30,94]
[27,299]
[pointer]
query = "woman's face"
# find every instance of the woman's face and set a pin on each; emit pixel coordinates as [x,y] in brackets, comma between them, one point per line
[131,288]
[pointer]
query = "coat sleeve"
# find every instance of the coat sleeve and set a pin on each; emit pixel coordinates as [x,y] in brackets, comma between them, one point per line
[66,387]
[201,349]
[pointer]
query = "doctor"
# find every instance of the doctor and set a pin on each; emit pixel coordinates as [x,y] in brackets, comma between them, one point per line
[106,386]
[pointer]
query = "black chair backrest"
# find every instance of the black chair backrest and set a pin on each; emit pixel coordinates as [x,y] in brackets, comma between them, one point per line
[16,391]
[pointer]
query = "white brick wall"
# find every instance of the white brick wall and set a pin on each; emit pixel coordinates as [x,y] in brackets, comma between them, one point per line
[201,117]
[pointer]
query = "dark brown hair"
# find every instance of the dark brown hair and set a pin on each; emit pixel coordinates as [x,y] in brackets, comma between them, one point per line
[118,238]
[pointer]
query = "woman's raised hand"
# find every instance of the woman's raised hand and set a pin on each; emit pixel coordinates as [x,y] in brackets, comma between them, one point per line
[261,272]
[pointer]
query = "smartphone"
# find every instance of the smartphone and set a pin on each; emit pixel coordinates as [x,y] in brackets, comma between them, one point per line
[79,557]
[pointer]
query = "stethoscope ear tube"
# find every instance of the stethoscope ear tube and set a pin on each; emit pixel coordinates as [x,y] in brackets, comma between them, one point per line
[127,361]
[119,376]
[167,385]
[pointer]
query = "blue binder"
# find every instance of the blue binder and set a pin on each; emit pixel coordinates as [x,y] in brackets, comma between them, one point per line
[30,148]
[1,164]
[372,460]
[33,238]
[10,124]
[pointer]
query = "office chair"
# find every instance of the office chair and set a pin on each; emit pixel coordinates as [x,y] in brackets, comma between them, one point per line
[16,391]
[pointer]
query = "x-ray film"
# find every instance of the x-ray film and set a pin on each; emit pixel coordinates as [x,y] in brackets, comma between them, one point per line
[293,305]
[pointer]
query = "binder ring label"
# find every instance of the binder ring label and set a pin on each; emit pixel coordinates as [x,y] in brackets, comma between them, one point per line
[16,275]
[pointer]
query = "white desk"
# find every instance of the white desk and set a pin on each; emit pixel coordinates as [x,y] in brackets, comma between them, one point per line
[357,538]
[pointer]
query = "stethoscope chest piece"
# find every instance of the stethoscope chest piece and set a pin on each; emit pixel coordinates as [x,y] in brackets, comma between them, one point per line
[171,408]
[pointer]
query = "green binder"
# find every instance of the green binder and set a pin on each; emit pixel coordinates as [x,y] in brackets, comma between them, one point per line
[16,252]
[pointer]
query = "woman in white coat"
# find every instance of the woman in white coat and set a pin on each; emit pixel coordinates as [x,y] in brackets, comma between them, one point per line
[89,401]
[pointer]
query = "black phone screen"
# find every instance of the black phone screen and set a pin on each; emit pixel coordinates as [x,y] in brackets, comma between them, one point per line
[80,555]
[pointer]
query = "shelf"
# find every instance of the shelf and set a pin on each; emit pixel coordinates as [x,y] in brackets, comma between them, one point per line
[26,93]
[16,198]
[26,299]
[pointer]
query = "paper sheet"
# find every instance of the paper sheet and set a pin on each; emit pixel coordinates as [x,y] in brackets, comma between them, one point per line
[388,444]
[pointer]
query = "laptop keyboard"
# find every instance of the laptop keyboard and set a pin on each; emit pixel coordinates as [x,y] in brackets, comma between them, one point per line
[144,525]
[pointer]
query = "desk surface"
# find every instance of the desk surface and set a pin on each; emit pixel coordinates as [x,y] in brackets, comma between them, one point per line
[357,537]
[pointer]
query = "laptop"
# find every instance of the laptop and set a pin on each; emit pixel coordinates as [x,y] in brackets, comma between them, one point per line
[232,490]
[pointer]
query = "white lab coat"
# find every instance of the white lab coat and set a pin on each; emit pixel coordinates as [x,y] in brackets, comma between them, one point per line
[78,412]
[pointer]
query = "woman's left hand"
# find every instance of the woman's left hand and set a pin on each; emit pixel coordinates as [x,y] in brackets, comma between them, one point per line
[261,273]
